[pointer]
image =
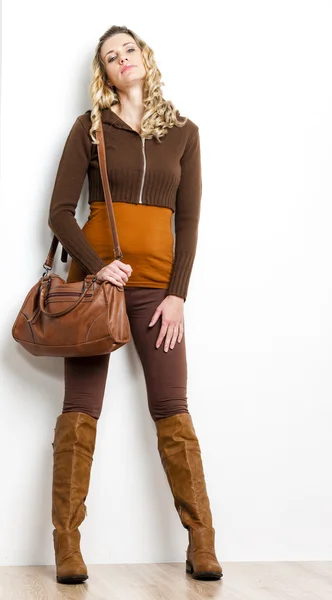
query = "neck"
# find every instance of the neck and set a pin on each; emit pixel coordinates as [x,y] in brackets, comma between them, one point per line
[131,107]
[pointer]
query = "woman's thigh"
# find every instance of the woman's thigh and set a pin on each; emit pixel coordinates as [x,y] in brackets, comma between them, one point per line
[165,372]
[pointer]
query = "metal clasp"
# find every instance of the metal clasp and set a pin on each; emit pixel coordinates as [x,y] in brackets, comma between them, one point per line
[47,269]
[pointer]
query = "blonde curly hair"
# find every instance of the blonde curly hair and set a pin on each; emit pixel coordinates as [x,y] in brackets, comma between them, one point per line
[159,114]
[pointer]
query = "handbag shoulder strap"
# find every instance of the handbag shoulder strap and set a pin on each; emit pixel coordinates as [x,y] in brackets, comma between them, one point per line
[108,200]
[107,191]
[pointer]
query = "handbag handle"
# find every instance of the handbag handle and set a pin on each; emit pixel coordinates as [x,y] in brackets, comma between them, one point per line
[108,199]
[43,291]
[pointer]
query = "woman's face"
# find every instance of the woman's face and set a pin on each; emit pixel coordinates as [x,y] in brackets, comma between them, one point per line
[118,52]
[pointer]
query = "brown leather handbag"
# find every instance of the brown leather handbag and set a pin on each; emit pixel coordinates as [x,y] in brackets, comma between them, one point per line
[83,318]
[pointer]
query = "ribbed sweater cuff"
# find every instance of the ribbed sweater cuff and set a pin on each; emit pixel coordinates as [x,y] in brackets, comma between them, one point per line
[180,278]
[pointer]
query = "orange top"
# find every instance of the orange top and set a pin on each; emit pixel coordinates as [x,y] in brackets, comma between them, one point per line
[145,237]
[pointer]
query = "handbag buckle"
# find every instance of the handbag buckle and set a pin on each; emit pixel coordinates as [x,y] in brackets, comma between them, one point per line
[47,269]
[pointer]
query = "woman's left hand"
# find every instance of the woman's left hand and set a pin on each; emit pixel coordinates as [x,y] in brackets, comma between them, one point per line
[172,323]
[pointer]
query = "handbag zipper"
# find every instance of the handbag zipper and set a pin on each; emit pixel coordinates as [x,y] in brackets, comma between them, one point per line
[66,294]
[144,169]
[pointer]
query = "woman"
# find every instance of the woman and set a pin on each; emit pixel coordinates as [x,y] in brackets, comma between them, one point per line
[153,158]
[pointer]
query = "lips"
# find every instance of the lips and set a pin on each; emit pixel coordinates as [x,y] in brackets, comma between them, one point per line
[127,67]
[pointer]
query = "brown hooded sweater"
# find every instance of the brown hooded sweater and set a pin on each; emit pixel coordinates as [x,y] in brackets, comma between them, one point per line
[141,171]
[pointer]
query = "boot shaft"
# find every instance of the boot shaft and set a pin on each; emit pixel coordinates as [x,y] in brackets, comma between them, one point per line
[180,454]
[73,449]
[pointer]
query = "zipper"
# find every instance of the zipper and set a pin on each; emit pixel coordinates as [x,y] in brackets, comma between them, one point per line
[144,169]
[66,294]
[57,294]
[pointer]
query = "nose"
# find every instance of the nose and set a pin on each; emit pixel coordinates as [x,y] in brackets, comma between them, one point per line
[122,59]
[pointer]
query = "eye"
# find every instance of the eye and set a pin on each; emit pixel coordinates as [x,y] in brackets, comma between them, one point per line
[113,57]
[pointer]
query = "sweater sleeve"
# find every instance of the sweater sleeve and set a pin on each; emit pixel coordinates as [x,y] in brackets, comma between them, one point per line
[187,214]
[68,185]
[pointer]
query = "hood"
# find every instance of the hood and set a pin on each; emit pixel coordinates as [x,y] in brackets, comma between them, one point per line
[108,116]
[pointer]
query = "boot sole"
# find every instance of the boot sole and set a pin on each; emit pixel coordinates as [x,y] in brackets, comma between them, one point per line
[72,579]
[213,575]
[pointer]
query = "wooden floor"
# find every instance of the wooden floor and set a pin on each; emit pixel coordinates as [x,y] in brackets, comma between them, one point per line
[168,581]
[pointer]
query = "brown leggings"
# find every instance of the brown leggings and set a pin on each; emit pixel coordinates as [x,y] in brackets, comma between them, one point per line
[165,372]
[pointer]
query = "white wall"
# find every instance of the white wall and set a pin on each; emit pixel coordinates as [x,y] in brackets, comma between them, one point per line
[256,78]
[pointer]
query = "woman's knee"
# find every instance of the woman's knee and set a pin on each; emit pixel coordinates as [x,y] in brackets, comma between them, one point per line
[167,408]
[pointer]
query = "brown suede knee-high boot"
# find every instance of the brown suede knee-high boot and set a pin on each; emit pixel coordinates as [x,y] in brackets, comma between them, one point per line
[181,458]
[73,448]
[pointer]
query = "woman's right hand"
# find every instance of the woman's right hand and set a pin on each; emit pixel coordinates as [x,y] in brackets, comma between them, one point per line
[116,272]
